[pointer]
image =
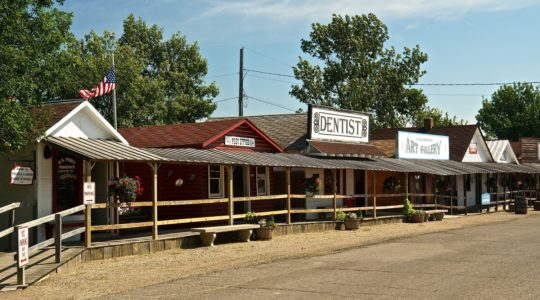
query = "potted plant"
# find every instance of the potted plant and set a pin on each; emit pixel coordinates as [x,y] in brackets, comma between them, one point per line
[340,220]
[417,216]
[264,233]
[412,215]
[352,221]
[126,189]
[312,185]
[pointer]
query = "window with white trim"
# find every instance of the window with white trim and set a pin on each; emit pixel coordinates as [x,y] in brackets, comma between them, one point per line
[215,181]
[262,181]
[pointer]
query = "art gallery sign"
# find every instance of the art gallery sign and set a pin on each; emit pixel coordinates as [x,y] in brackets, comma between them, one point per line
[414,145]
[337,125]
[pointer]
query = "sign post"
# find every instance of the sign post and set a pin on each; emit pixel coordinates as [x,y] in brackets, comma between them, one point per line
[22,253]
[89,193]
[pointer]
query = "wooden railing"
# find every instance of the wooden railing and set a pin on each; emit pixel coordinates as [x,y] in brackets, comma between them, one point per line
[11,219]
[57,239]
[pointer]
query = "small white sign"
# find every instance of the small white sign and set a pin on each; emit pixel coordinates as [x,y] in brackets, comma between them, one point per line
[239,141]
[89,193]
[338,125]
[414,145]
[22,239]
[22,175]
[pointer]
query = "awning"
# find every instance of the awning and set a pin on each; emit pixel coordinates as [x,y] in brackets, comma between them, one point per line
[448,167]
[504,168]
[102,150]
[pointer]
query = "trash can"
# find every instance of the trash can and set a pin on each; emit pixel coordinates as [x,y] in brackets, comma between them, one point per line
[521,207]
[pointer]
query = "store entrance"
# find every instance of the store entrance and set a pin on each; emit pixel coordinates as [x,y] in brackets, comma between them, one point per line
[68,181]
[239,189]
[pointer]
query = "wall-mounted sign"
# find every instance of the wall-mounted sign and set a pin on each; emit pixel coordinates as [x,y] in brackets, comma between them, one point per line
[473,148]
[485,199]
[22,242]
[423,146]
[337,125]
[89,192]
[239,141]
[22,175]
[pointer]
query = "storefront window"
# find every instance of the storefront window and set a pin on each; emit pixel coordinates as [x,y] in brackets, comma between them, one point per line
[262,176]
[215,178]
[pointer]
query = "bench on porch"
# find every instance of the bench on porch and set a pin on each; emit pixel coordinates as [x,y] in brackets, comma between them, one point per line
[208,234]
[436,214]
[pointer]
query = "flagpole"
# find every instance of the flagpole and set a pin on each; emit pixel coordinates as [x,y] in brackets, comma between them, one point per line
[114,100]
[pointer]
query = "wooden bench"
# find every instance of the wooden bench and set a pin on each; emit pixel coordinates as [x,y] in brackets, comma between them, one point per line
[436,214]
[208,234]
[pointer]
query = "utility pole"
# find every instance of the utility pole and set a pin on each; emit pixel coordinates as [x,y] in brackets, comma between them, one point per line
[241,85]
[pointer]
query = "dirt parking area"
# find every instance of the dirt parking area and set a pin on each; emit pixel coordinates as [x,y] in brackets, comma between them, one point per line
[101,278]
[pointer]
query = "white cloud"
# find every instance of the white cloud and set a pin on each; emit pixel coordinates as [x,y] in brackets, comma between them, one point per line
[291,10]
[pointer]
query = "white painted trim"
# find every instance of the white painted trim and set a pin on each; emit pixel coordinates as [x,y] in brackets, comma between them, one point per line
[221,182]
[76,110]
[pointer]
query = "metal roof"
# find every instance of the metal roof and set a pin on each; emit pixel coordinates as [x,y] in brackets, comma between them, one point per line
[102,150]
[505,168]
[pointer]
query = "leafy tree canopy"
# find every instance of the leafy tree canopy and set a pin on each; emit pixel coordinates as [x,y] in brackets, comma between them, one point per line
[512,112]
[439,117]
[354,70]
[158,81]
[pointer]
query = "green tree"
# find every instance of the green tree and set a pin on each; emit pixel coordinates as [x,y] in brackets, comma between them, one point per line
[33,36]
[354,70]
[158,81]
[512,112]
[439,117]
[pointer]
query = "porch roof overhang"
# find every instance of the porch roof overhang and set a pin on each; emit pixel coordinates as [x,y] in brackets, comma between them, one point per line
[505,168]
[447,167]
[249,158]
[102,150]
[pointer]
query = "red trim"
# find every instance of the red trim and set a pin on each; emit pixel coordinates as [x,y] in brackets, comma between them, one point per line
[236,125]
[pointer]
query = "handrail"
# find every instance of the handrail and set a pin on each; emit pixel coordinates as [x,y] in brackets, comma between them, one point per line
[9,207]
[49,218]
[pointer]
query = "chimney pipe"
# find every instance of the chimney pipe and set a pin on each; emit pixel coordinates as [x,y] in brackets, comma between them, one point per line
[428,124]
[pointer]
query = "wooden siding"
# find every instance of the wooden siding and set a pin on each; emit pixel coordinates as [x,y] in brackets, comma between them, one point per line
[529,150]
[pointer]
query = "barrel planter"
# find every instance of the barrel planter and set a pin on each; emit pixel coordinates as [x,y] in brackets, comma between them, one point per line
[340,225]
[417,218]
[536,205]
[521,207]
[264,233]
[352,224]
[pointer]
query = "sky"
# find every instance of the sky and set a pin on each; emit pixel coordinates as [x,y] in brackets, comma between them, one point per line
[467,41]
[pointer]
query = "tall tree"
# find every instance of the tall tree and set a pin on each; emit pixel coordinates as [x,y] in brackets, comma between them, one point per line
[354,70]
[33,36]
[158,81]
[439,117]
[512,112]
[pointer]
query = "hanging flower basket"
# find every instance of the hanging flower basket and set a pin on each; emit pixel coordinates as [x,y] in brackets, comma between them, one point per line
[126,189]
[312,185]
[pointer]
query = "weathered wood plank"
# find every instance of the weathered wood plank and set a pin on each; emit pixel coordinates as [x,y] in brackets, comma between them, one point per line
[10,207]
[121,226]
[190,202]
[192,220]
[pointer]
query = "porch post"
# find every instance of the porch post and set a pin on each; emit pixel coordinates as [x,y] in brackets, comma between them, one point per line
[288,188]
[88,209]
[365,188]
[374,197]
[155,168]
[465,191]
[230,190]
[334,190]
[407,185]
[497,191]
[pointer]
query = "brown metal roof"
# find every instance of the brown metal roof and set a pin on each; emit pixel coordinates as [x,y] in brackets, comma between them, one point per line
[102,150]
[505,168]
[344,149]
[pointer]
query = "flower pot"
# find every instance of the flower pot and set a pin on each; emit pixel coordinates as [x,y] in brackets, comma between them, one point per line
[352,224]
[417,218]
[264,233]
[340,225]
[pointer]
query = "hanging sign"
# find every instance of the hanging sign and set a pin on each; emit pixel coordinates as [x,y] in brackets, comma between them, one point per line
[414,145]
[337,125]
[22,175]
[239,141]
[22,239]
[89,193]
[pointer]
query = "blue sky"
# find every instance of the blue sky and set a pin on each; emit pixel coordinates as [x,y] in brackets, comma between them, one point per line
[467,41]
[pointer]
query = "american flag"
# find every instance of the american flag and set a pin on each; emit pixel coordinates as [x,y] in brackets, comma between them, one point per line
[106,85]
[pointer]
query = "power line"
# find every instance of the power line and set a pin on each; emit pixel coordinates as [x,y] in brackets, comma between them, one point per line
[271,103]
[271,58]
[276,80]
[226,99]
[269,73]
